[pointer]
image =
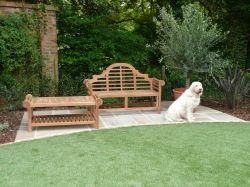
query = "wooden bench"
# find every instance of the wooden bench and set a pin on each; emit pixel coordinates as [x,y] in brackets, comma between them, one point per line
[90,116]
[122,80]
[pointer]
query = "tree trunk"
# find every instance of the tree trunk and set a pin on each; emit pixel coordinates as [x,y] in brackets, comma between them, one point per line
[187,80]
[163,72]
[247,64]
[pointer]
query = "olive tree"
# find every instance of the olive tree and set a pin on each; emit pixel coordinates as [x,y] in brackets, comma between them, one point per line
[188,44]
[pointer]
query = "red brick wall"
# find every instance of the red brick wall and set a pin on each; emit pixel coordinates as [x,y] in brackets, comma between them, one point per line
[48,36]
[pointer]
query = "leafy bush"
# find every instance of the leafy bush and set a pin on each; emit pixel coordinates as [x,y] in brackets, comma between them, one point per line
[71,84]
[188,44]
[20,59]
[234,86]
[88,43]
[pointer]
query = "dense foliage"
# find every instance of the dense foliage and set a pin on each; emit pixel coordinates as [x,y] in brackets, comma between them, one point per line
[229,14]
[95,33]
[88,44]
[20,59]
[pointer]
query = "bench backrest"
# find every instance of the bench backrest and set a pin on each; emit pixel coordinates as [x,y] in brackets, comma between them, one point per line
[120,77]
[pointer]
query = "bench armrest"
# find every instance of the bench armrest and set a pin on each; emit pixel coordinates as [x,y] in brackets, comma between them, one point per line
[86,83]
[27,101]
[98,100]
[157,84]
[88,86]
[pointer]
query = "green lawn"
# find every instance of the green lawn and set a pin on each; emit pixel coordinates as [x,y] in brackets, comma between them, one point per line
[206,154]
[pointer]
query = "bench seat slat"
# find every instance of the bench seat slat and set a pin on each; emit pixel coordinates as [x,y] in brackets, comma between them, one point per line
[130,93]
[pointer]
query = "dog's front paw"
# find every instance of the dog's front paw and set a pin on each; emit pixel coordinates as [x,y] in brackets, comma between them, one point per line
[190,120]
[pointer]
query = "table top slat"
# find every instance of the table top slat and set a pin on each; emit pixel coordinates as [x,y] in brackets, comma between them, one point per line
[63,101]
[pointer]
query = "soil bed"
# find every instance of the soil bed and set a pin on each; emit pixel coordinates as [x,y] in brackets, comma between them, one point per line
[13,120]
[242,111]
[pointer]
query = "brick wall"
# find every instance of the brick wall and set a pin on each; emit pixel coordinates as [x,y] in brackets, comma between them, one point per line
[48,36]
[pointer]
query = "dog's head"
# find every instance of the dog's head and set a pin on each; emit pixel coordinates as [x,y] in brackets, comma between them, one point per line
[196,88]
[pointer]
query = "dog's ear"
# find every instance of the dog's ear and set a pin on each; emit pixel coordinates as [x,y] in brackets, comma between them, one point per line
[189,93]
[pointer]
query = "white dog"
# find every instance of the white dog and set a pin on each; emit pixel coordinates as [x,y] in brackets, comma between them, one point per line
[183,107]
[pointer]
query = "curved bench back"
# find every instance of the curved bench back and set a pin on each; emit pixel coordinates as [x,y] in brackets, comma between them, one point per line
[120,77]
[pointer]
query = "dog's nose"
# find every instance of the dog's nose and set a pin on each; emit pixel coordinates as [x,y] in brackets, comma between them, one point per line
[200,89]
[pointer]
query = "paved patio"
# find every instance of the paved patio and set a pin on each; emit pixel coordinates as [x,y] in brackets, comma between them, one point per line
[115,120]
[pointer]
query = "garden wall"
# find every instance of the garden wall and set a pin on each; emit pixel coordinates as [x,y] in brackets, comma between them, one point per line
[48,36]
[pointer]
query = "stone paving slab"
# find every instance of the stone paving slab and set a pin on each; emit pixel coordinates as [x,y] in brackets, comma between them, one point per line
[115,120]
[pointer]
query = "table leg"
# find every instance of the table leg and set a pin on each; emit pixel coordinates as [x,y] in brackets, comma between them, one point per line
[97,116]
[30,115]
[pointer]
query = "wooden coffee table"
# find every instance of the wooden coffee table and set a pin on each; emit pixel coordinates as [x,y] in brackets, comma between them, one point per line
[90,116]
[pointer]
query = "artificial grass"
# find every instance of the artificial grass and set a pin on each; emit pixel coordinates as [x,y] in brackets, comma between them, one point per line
[206,154]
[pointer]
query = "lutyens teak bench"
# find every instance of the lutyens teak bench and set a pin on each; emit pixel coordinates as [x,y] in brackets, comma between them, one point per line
[122,80]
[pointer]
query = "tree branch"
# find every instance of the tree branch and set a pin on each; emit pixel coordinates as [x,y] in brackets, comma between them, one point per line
[205,6]
[121,21]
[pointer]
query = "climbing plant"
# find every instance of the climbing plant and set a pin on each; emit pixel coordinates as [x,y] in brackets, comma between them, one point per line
[20,58]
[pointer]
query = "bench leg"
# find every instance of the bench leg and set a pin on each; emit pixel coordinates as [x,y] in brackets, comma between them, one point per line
[30,115]
[125,102]
[158,104]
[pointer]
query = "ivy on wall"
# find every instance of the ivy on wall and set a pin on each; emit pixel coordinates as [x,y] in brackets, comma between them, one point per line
[20,58]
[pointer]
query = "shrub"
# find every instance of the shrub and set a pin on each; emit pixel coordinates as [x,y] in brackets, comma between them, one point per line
[234,86]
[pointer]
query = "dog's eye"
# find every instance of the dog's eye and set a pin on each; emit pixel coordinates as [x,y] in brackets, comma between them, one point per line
[196,85]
